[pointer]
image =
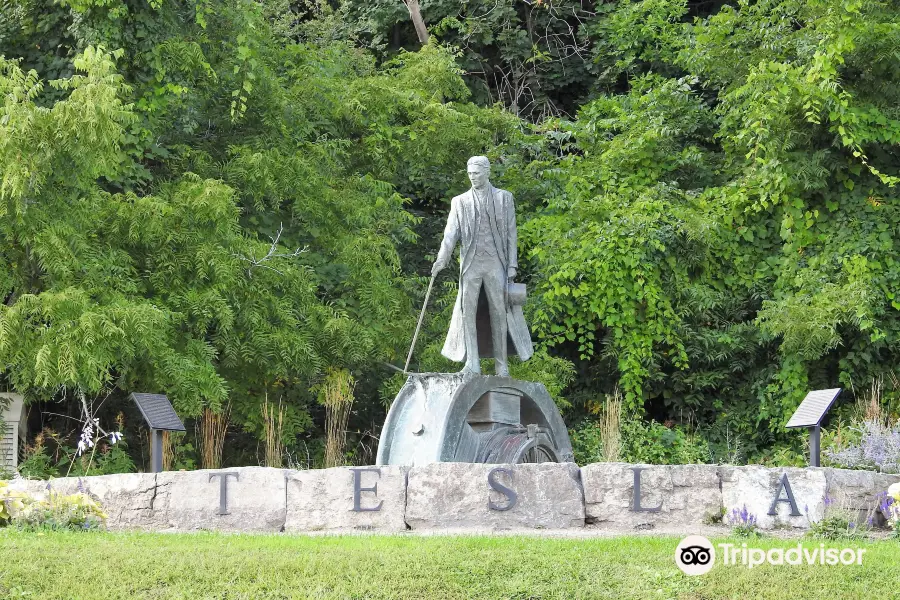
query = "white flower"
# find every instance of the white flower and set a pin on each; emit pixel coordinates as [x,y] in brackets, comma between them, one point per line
[115,436]
[86,441]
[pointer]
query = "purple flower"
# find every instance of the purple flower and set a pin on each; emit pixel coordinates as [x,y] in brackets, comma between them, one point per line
[828,500]
[879,448]
[742,516]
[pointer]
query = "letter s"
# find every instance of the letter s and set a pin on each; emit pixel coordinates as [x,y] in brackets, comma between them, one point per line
[511,495]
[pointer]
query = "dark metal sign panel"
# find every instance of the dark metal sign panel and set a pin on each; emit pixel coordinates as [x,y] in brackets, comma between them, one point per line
[813,408]
[158,412]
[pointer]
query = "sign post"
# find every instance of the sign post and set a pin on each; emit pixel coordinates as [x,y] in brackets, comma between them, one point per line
[810,414]
[160,416]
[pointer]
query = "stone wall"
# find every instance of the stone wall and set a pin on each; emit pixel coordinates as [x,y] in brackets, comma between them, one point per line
[614,497]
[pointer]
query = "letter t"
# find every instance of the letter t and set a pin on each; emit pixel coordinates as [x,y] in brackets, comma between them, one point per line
[223,489]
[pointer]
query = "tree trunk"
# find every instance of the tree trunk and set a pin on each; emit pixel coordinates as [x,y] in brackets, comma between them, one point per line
[416,16]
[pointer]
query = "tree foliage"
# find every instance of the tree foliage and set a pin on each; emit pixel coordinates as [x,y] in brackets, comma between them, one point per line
[222,199]
[723,235]
[211,211]
[534,57]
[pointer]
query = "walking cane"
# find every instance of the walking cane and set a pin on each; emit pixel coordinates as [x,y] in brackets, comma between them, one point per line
[419,326]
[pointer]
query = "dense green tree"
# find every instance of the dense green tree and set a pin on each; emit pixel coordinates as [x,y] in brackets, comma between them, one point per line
[723,237]
[533,56]
[213,211]
[223,199]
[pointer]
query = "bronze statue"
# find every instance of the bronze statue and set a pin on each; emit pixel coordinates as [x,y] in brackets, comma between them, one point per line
[487,317]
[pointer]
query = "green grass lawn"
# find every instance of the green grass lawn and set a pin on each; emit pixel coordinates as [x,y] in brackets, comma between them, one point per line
[110,566]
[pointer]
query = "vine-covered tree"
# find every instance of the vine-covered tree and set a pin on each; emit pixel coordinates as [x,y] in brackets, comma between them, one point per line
[722,238]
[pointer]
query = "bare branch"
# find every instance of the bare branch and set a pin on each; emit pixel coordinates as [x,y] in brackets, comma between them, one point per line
[270,255]
[518,80]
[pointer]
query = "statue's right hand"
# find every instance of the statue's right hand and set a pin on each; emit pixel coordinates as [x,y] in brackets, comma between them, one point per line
[437,268]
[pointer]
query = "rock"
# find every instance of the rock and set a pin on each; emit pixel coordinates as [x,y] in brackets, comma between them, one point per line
[755,487]
[858,492]
[254,499]
[32,487]
[456,496]
[687,495]
[324,500]
[128,499]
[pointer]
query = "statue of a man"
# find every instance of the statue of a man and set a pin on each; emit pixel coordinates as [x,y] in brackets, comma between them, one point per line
[487,320]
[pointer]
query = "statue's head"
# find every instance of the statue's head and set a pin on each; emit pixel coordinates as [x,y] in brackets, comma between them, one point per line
[479,169]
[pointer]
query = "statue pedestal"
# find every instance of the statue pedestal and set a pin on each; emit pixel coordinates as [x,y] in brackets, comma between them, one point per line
[454,417]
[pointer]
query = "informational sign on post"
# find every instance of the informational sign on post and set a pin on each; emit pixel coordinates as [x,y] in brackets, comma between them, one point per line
[160,416]
[810,414]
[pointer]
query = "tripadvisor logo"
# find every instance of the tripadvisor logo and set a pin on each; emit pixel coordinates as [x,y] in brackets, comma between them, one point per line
[696,555]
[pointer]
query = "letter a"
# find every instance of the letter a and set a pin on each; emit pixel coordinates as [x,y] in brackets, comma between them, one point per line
[786,486]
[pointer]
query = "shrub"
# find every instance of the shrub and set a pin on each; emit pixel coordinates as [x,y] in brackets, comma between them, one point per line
[878,448]
[783,456]
[104,458]
[743,522]
[837,523]
[587,442]
[639,441]
[654,443]
[837,526]
[10,501]
[37,464]
[109,460]
[76,512]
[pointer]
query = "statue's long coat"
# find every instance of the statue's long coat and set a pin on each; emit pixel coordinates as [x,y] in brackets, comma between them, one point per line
[462,226]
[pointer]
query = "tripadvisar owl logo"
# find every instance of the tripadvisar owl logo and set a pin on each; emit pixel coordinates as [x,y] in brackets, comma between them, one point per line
[695,555]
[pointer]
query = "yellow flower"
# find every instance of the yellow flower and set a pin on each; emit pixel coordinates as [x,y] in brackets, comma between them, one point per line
[10,501]
[894,491]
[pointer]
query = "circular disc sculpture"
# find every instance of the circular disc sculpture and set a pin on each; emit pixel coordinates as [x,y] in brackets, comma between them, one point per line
[458,417]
